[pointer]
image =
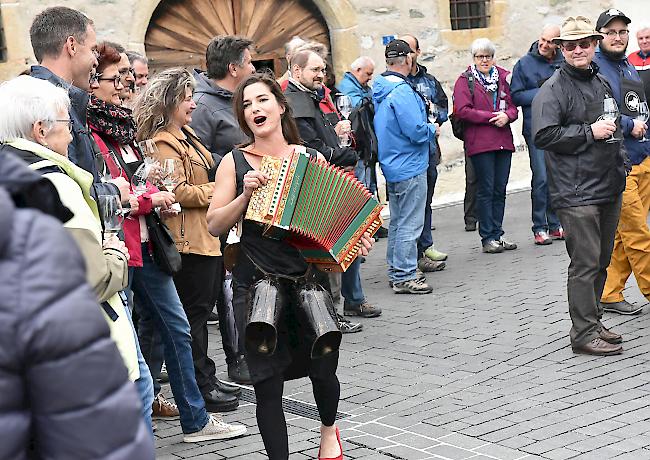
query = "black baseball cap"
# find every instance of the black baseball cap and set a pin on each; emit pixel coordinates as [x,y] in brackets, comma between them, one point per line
[397,48]
[606,16]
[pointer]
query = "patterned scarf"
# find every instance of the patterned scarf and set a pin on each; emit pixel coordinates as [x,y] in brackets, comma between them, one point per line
[491,82]
[112,120]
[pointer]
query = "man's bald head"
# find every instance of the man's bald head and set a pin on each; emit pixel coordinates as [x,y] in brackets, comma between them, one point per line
[545,43]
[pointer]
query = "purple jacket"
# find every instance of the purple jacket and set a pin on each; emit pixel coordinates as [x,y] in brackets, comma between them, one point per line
[480,135]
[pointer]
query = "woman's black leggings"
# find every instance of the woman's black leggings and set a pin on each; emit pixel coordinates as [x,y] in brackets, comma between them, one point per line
[270,416]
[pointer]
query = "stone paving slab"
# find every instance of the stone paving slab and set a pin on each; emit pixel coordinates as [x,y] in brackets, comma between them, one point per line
[481,369]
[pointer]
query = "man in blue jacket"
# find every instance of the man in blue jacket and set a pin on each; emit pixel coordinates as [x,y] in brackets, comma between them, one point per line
[355,82]
[429,258]
[403,135]
[529,74]
[632,241]
[65,46]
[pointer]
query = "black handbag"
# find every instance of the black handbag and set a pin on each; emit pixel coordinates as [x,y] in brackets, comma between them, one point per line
[163,246]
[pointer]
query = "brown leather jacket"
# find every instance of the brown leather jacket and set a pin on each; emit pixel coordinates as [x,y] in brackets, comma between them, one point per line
[193,192]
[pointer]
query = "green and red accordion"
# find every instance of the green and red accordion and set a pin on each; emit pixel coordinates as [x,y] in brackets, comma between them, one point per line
[320,209]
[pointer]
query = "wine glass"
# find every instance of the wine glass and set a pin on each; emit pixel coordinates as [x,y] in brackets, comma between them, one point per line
[111,212]
[610,112]
[644,116]
[103,168]
[344,104]
[139,179]
[503,105]
[170,179]
[148,148]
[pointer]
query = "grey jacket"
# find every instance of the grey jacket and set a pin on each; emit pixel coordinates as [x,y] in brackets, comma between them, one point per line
[65,393]
[214,120]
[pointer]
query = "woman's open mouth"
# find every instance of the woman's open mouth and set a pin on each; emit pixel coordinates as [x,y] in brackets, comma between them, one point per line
[259,120]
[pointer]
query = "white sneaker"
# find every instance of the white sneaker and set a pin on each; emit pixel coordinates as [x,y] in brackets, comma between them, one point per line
[216,428]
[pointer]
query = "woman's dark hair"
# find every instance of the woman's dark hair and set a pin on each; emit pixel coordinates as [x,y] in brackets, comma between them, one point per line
[289,128]
[108,55]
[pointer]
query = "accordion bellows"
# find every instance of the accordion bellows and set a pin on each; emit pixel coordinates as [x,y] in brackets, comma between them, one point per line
[320,209]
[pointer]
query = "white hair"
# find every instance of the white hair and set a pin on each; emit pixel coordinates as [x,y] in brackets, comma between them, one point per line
[643,28]
[482,44]
[361,62]
[27,100]
[292,44]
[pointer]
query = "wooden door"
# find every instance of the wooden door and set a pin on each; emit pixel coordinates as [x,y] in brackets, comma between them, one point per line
[180,30]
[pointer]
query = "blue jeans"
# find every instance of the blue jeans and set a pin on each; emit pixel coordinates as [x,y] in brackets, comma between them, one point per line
[492,171]
[544,218]
[150,340]
[154,291]
[144,384]
[406,221]
[366,176]
[426,238]
[351,288]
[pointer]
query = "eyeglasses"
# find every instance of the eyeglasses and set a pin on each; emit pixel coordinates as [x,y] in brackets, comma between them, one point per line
[582,44]
[483,57]
[115,79]
[65,120]
[613,33]
[317,69]
[125,72]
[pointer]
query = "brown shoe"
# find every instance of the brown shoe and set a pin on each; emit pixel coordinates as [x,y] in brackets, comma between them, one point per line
[610,336]
[598,347]
[163,409]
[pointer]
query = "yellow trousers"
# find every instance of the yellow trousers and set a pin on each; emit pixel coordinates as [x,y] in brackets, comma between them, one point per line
[632,242]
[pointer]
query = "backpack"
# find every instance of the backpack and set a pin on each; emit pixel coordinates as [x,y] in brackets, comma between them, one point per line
[362,120]
[458,125]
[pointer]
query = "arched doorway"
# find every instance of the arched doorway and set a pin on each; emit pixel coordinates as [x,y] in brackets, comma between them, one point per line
[180,30]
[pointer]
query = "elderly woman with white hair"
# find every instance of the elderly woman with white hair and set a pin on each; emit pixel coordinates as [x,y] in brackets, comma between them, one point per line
[37,130]
[483,103]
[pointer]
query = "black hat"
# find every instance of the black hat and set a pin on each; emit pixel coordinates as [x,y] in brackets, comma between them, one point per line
[397,48]
[606,16]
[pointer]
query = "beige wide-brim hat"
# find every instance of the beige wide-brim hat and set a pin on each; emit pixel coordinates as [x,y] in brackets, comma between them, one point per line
[576,28]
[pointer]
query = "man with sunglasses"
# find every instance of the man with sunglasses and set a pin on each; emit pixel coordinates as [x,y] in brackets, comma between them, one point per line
[586,171]
[632,242]
[65,46]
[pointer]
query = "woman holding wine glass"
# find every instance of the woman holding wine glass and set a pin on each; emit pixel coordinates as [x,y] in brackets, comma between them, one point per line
[163,113]
[42,142]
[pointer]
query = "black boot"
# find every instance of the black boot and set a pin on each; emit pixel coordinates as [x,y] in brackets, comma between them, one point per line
[225,387]
[238,372]
[216,401]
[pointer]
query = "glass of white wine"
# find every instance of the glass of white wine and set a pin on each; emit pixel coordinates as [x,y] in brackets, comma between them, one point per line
[111,212]
[644,116]
[610,112]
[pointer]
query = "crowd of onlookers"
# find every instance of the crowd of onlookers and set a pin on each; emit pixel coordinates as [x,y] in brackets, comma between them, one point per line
[148,175]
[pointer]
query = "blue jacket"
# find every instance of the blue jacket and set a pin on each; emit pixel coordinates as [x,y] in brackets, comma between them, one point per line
[403,133]
[438,95]
[612,69]
[530,72]
[351,87]
[82,149]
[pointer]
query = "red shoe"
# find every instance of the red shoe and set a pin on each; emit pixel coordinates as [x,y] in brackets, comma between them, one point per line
[542,238]
[340,457]
[557,234]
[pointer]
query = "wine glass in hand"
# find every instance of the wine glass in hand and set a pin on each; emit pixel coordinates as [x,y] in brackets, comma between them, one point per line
[139,179]
[344,104]
[610,112]
[170,179]
[111,212]
[644,116]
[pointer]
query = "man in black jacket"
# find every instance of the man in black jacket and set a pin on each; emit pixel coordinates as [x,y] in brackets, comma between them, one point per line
[586,172]
[65,46]
[229,62]
[318,130]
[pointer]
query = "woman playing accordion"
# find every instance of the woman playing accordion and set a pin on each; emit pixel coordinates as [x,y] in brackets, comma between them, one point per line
[270,267]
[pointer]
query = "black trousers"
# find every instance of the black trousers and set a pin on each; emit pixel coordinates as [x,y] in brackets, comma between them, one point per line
[590,234]
[270,416]
[198,285]
[471,189]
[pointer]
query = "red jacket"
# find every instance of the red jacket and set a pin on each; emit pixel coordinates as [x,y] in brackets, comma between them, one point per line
[132,223]
[481,136]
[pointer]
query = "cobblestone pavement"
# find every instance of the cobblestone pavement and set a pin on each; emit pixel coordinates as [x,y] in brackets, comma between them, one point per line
[482,369]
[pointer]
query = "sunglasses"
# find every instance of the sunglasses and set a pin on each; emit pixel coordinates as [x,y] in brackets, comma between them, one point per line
[583,44]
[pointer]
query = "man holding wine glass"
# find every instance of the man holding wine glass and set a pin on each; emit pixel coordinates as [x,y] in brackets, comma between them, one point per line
[631,253]
[586,177]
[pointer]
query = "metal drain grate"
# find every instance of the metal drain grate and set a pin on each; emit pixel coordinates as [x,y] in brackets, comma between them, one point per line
[291,406]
